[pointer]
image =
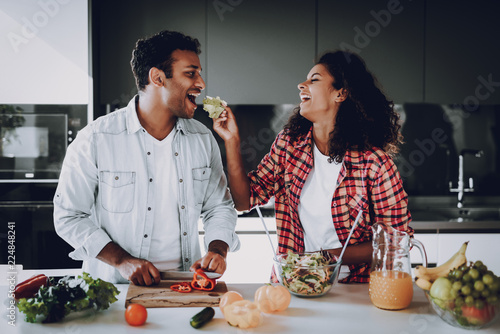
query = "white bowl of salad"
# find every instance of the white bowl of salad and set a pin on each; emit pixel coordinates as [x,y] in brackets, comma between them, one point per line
[307,274]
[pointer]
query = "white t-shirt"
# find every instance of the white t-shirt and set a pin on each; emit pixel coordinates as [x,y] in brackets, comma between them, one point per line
[165,251]
[315,206]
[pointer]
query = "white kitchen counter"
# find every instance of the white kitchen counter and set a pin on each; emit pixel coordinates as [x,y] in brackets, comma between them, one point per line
[345,309]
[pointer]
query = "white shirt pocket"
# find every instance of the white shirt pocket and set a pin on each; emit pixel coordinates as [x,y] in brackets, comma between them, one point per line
[117,191]
[201,177]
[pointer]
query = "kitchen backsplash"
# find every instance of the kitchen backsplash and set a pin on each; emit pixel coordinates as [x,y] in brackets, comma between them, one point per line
[434,136]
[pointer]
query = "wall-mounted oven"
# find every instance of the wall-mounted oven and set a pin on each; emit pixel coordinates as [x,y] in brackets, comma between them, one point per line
[34,140]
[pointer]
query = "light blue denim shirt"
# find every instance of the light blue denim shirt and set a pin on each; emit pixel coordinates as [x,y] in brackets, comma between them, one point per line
[105,191]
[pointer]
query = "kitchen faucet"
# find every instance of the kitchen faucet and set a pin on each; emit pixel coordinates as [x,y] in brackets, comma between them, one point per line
[460,189]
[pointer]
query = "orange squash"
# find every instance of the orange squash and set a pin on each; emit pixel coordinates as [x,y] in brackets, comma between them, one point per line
[229,298]
[272,298]
[243,314]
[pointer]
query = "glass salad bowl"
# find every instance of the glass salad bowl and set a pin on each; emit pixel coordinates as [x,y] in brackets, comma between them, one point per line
[307,274]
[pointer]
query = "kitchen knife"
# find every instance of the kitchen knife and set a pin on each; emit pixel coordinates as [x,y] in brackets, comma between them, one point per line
[184,275]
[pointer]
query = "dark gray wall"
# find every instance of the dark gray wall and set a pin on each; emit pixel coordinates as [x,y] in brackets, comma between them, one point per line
[256,52]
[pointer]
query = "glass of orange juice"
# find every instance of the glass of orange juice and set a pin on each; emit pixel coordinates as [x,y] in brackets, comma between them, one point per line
[391,284]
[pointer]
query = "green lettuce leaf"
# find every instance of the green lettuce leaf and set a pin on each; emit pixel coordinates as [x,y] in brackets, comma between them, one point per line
[54,302]
[214,106]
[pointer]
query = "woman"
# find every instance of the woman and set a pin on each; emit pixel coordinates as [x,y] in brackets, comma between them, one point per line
[331,160]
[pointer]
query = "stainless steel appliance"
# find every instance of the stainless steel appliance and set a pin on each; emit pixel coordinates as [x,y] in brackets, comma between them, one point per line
[32,149]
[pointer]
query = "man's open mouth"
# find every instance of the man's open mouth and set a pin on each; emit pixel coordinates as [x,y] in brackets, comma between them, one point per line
[192,97]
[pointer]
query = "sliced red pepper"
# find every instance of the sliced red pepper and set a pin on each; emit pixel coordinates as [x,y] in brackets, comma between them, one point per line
[30,287]
[183,287]
[202,282]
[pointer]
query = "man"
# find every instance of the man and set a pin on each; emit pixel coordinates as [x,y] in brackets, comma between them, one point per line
[135,182]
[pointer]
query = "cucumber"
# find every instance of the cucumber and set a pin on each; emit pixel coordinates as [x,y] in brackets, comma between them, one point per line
[200,319]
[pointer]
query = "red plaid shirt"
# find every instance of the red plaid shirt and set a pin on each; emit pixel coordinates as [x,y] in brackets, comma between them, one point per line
[368,180]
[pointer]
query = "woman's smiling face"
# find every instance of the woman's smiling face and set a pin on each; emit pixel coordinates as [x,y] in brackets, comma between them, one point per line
[317,93]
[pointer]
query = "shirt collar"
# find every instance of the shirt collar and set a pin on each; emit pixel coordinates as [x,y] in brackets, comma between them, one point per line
[133,124]
[353,157]
[303,140]
[182,125]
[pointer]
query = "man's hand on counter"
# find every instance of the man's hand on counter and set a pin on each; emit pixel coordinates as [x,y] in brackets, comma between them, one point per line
[138,271]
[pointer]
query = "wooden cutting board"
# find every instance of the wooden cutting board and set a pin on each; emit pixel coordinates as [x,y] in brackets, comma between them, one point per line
[161,296]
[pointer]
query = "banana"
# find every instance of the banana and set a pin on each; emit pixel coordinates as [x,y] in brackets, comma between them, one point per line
[423,284]
[427,277]
[431,274]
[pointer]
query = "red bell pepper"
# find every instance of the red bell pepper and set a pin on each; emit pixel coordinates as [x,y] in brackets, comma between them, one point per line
[30,287]
[202,282]
[183,287]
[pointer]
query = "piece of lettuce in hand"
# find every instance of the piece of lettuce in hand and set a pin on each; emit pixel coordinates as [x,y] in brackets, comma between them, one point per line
[53,303]
[214,106]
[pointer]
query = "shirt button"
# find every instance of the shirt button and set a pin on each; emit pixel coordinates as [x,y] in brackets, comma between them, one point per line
[186,259]
[151,180]
[145,235]
[185,233]
[116,177]
[334,205]
[180,180]
[149,153]
[149,209]
[176,154]
[182,207]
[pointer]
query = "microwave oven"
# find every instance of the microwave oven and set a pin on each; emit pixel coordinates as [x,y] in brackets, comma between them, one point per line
[33,147]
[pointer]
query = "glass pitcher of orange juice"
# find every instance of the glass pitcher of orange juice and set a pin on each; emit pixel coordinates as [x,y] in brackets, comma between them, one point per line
[391,284]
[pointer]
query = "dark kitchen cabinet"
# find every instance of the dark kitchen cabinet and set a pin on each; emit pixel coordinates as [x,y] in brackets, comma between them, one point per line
[462,52]
[388,35]
[259,51]
[121,24]
[256,52]
[37,246]
[27,234]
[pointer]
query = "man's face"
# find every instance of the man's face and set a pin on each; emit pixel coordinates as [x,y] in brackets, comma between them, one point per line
[185,85]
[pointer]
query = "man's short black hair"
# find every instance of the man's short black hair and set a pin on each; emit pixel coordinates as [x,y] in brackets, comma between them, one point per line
[156,51]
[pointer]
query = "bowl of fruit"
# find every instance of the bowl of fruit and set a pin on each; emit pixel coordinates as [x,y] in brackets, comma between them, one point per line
[463,294]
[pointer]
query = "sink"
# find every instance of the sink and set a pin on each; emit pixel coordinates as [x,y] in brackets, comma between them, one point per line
[455,214]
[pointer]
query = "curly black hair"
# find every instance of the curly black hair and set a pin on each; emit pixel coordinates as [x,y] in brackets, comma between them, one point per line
[156,51]
[365,119]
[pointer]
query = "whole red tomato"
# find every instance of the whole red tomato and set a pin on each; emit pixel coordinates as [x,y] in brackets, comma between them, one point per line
[476,316]
[136,314]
